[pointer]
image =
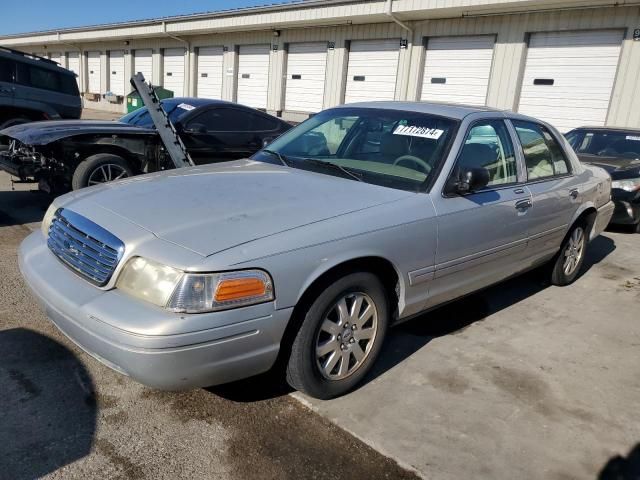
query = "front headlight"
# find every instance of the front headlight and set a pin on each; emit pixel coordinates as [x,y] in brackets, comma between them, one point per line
[48,218]
[629,184]
[184,292]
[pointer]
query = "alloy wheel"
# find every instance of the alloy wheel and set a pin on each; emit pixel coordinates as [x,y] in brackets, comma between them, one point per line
[107,173]
[346,336]
[574,251]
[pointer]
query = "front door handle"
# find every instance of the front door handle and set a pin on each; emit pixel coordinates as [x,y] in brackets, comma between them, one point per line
[524,204]
[574,193]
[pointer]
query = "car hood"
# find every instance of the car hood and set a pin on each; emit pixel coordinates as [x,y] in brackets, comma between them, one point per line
[619,168]
[213,208]
[42,133]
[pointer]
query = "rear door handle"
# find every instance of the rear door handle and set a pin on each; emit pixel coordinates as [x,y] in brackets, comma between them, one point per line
[524,204]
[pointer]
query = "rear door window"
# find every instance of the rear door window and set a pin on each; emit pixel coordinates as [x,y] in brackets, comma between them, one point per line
[542,153]
[46,79]
[222,120]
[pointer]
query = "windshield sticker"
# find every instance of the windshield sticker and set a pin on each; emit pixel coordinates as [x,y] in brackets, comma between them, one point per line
[186,106]
[424,132]
[633,137]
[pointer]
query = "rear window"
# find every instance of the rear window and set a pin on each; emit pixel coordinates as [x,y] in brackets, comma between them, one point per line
[46,79]
[608,144]
[6,70]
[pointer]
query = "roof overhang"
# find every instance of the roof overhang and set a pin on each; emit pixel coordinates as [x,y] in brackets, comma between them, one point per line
[299,14]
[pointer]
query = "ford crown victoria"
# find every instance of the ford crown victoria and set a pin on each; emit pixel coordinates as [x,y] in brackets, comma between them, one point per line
[363,216]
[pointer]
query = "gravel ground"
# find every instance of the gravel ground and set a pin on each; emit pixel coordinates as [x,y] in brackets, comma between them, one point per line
[64,415]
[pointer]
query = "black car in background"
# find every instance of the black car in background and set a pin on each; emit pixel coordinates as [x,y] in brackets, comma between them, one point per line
[618,151]
[64,155]
[35,88]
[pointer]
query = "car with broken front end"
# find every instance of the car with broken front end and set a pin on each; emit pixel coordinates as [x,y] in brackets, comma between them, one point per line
[73,154]
[361,217]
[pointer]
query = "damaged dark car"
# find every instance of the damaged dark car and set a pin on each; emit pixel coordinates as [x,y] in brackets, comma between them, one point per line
[69,155]
[616,150]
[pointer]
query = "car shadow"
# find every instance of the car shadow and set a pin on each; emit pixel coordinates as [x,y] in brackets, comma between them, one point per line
[47,405]
[20,207]
[622,468]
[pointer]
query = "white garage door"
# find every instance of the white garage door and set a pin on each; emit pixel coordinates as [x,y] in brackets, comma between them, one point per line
[209,72]
[73,64]
[174,71]
[372,71]
[55,56]
[457,69]
[116,72]
[143,63]
[306,66]
[93,68]
[253,75]
[568,77]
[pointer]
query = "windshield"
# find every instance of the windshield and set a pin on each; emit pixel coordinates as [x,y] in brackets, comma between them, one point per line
[393,148]
[141,117]
[606,143]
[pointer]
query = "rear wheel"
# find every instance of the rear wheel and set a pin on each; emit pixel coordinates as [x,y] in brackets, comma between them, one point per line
[100,168]
[340,337]
[569,261]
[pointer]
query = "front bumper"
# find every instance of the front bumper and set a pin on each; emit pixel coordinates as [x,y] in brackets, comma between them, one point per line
[235,344]
[627,211]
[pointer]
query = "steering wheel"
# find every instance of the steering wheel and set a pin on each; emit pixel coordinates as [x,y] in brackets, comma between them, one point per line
[411,158]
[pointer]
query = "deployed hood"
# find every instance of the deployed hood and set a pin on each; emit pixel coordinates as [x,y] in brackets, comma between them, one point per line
[617,167]
[42,133]
[216,207]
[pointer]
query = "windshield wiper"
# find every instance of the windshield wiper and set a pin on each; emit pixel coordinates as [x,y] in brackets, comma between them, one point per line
[333,166]
[280,157]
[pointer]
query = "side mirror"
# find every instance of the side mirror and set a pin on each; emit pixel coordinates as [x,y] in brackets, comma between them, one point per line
[469,180]
[266,141]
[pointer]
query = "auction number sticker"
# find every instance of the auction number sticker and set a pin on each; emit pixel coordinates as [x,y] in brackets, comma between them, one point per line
[423,132]
[635,138]
[186,106]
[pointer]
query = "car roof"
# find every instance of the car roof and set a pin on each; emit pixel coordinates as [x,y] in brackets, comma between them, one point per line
[43,62]
[451,110]
[635,131]
[196,102]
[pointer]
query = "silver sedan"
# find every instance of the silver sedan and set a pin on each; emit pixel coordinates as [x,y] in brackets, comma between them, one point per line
[361,217]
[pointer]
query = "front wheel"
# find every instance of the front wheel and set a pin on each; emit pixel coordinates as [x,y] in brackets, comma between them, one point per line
[569,261]
[100,168]
[340,337]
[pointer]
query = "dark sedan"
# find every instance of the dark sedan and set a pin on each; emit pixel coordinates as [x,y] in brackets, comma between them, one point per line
[618,151]
[64,155]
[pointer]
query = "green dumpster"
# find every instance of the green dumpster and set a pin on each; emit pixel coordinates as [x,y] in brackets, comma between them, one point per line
[134,101]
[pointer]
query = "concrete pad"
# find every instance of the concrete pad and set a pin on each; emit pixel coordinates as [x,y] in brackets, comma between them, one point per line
[524,380]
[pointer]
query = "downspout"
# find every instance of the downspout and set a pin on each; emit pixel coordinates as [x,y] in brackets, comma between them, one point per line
[187,67]
[389,13]
[81,74]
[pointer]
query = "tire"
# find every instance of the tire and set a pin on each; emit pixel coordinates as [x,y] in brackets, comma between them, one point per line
[568,263]
[316,374]
[100,168]
[14,121]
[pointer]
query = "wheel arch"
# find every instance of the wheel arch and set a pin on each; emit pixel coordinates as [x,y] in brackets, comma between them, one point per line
[380,266]
[587,213]
[117,150]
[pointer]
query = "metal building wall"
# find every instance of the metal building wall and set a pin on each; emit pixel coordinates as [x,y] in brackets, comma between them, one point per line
[508,62]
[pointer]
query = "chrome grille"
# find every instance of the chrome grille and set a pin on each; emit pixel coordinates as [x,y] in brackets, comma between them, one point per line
[85,247]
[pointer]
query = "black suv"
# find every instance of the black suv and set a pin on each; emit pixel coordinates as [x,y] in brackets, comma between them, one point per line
[35,88]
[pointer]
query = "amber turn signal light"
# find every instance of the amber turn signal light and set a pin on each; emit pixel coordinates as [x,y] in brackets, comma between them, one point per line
[240,288]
